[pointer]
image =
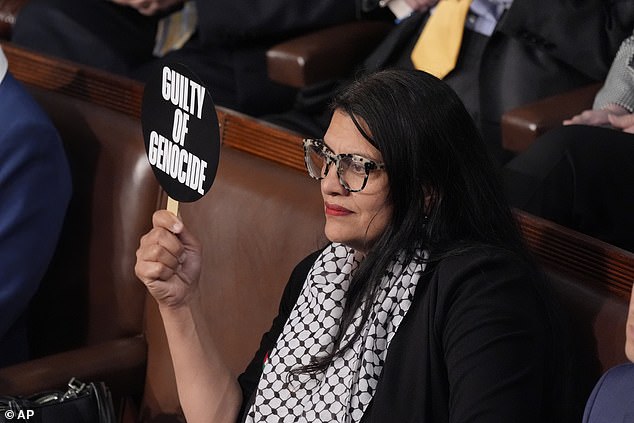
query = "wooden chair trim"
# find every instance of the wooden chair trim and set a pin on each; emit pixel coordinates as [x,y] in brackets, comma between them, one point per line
[579,256]
[102,88]
[126,96]
[262,139]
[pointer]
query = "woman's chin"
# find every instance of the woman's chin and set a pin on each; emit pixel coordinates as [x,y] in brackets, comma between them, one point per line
[336,235]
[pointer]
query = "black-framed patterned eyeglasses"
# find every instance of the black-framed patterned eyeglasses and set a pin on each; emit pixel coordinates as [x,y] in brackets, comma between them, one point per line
[353,170]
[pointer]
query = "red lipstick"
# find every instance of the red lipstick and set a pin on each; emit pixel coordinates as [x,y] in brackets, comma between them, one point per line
[335,210]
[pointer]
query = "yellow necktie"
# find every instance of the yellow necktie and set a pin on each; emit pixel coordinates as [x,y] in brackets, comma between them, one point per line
[436,50]
[175,29]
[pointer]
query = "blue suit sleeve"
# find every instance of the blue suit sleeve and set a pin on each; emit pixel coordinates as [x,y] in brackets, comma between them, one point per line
[35,189]
[611,398]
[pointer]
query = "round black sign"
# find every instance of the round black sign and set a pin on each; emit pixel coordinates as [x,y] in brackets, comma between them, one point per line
[180,130]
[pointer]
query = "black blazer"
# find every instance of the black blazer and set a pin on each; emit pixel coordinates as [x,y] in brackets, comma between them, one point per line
[539,48]
[480,344]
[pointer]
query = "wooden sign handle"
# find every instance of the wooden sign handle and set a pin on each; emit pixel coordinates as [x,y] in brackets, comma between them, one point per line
[172,205]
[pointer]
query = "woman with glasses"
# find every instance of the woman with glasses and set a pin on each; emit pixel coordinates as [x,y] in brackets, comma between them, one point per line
[424,306]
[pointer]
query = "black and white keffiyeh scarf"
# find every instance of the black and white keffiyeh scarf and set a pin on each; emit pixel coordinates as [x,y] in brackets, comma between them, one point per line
[343,391]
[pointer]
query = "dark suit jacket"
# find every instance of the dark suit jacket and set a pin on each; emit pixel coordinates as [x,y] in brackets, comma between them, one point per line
[612,398]
[231,22]
[233,37]
[539,48]
[480,343]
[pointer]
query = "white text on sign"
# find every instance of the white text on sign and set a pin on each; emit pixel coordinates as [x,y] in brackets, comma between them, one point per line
[171,156]
[183,92]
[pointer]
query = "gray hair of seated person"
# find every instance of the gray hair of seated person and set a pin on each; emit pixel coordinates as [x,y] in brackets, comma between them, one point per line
[445,191]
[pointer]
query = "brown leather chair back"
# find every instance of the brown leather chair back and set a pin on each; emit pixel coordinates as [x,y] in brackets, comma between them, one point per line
[256,223]
[597,320]
[593,281]
[90,293]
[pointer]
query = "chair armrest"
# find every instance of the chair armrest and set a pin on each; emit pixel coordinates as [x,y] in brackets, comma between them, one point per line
[324,54]
[8,11]
[119,363]
[522,125]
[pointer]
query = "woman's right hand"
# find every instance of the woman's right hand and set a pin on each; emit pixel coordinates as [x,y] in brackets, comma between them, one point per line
[168,260]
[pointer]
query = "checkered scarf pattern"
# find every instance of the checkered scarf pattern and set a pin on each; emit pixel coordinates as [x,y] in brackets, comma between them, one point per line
[344,390]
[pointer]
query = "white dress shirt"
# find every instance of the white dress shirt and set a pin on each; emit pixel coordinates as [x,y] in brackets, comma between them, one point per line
[482,18]
[484,15]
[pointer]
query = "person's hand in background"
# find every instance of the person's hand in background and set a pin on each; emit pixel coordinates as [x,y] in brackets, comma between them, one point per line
[624,123]
[599,117]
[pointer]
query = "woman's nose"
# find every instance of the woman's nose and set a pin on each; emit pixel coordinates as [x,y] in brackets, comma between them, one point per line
[330,184]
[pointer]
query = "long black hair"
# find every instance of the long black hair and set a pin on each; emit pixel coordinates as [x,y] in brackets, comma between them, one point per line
[443,187]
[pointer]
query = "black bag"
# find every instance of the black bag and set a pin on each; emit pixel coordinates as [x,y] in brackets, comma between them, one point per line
[80,403]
